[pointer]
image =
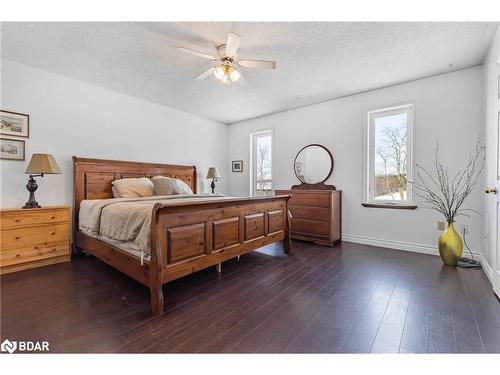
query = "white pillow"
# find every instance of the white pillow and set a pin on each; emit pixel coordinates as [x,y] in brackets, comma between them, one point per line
[163,185]
[170,186]
[182,187]
[133,188]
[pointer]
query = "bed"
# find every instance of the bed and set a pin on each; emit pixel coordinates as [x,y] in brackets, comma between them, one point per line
[184,234]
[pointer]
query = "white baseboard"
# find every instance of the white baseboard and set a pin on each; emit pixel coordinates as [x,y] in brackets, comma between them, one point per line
[397,245]
[486,267]
[416,248]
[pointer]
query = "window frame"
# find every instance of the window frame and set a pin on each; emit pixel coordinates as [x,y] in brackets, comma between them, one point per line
[253,155]
[369,161]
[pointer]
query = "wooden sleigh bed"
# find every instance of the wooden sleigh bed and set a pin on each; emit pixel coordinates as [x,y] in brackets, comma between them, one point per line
[184,237]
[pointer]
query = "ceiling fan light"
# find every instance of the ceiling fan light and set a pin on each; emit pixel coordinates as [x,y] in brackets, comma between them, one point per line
[235,75]
[226,79]
[219,72]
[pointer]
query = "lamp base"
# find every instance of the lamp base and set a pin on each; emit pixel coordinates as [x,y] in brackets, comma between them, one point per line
[32,205]
[32,186]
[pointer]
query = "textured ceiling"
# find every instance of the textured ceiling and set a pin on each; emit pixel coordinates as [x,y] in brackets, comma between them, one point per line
[316,61]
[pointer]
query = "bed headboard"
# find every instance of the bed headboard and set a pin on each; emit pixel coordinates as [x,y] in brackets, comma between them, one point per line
[92,177]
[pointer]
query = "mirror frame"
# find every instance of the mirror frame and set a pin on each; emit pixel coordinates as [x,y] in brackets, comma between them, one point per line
[321,184]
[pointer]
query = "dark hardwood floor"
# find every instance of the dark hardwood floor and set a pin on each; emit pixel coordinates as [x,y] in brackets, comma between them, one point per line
[349,299]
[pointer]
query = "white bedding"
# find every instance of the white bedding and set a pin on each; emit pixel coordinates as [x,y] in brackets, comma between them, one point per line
[128,219]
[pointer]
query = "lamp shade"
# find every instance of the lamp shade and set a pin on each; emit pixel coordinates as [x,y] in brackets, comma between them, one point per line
[42,163]
[213,173]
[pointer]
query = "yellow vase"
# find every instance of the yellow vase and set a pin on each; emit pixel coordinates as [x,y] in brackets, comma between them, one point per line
[450,246]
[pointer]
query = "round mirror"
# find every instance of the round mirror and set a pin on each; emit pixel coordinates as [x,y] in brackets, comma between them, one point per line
[313,164]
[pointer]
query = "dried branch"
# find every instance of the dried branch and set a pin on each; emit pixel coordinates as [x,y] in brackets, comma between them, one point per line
[447,195]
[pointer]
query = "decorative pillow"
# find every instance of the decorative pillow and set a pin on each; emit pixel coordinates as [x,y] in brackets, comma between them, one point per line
[133,188]
[163,185]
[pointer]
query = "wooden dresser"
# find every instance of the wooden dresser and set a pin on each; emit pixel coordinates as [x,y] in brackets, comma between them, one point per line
[316,215]
[33,237]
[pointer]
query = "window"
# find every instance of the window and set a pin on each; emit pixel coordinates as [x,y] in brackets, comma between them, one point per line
[262,152]
[390,137]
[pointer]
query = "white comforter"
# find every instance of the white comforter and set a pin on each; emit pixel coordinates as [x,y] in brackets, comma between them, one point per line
[127,219]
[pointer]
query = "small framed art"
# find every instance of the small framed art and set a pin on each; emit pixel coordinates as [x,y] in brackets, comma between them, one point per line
[12,149]
[14,124]
[237,165]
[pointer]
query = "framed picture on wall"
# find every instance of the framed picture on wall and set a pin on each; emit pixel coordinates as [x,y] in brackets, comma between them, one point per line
[237,165]
[12,149]
[14,124]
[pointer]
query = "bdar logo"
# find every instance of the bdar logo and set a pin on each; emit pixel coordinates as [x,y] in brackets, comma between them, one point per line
[9,346]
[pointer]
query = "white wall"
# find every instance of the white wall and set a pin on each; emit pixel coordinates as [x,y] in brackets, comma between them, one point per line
[490,77]
[69,117]
[448,108]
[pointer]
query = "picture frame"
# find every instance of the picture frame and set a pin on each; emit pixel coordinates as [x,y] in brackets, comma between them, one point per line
[14,124]
[12,149]
[237,166]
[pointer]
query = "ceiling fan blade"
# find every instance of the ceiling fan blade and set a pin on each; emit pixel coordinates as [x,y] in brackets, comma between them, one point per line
[259,64]
[205,74]
[196,53]
[233,43]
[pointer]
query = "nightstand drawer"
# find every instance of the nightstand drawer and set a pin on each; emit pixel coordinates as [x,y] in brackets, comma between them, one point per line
[22,255]
[33,217]
[34,236]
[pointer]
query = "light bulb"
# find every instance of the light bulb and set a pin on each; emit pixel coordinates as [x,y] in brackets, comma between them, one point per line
[235,75]
[219,72]
[226,79]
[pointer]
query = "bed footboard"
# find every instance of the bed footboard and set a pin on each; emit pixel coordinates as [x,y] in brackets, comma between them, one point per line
[186,238]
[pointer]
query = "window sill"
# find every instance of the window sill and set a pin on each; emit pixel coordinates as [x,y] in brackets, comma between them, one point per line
[393,206]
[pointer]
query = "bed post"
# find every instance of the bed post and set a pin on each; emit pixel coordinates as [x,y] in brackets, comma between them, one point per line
[155,265]
[286,241]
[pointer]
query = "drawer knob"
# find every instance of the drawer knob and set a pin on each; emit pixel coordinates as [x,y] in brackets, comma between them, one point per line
[18,237]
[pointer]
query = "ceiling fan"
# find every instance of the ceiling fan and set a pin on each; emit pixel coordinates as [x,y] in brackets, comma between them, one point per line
[226,63]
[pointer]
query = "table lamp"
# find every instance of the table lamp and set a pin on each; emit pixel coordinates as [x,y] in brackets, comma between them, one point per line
[39,165]
[214,175]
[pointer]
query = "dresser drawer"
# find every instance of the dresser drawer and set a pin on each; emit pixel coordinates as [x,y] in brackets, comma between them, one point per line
[32,217]
[309,199]
[320,228]
[33,236]
[310,213]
